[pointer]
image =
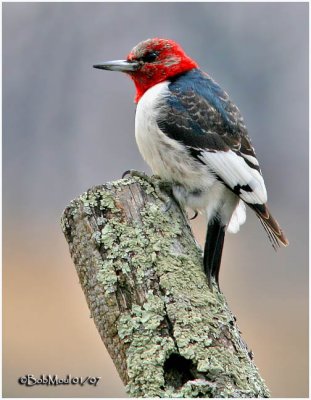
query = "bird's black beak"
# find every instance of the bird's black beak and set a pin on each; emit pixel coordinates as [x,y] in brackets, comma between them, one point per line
[118,65]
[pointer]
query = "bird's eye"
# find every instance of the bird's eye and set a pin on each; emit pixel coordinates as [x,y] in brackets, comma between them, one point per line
[149,57]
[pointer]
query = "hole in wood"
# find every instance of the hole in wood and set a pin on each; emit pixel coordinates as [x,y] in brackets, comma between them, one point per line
[178,370]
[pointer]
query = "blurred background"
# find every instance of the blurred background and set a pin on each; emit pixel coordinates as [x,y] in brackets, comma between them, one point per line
[67,127]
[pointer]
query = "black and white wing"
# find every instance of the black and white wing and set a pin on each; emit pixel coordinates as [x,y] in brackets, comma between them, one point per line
[200,115]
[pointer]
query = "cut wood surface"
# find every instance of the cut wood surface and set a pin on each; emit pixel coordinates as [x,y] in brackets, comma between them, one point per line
[141,271]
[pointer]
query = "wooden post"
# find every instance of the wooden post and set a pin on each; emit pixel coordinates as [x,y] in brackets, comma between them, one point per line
[141,271]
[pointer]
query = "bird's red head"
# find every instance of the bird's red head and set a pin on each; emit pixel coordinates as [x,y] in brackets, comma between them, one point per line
[159,59]
[152,61]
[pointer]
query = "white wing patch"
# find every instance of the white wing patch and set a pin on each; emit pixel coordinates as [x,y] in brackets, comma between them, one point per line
[235,172]
[238,218]
[251,159]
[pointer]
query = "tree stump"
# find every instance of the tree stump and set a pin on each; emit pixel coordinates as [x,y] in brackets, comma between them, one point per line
[141,271]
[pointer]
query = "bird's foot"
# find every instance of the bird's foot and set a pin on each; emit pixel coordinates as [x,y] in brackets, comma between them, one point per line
[163,189]
[164,192]
[139,174]
[196,213]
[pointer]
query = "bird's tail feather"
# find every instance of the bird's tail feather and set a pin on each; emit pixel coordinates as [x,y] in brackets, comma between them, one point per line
[213,250]
[270,224]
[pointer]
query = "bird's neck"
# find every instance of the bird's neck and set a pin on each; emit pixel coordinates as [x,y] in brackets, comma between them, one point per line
[145,81]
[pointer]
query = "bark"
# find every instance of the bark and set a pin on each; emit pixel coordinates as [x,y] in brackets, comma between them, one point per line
[141,271]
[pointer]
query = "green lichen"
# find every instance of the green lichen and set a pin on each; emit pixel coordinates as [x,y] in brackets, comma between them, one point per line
[97,197]
[202,323]
[148,351]
[194,388]
[107,275]
[107,202]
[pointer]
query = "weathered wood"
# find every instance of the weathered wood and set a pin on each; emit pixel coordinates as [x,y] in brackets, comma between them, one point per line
[141,271]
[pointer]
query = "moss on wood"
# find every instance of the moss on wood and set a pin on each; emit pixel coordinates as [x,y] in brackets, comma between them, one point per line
[141,270]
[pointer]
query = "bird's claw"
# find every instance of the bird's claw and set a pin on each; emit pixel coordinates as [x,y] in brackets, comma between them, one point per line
[163,189]
[139,174]
[195,215]
[127,172]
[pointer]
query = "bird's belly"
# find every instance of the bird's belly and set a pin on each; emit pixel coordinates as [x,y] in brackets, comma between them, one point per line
[167,157]
[169,160]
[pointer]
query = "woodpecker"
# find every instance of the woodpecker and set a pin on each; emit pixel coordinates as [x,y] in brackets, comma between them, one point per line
[191,134]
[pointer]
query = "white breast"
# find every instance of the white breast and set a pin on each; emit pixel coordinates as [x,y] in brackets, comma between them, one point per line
[148,136]
[194,185]
[166,157]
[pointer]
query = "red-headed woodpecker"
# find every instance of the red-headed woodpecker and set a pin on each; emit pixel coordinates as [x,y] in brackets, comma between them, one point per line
[191,134]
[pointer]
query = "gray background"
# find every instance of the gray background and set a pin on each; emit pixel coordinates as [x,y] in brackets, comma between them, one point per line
[67,127]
